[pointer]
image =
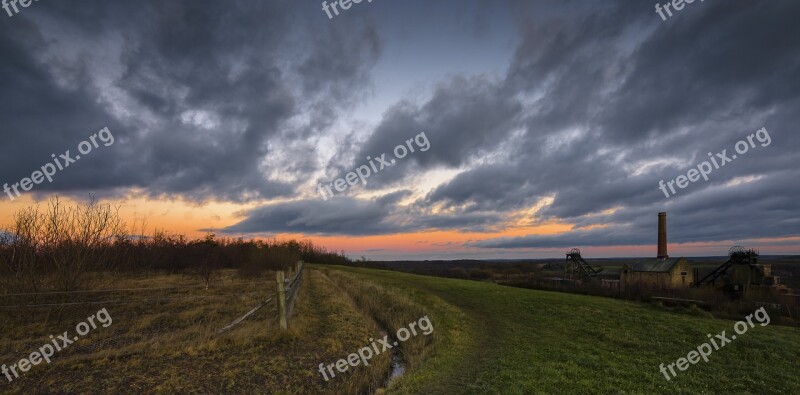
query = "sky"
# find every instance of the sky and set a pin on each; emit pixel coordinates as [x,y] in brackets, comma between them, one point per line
[536,126]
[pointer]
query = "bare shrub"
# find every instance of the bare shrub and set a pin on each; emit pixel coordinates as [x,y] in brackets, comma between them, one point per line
[208,256]
[77,240]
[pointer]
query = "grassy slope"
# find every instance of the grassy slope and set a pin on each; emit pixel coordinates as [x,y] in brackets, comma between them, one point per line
[505,340]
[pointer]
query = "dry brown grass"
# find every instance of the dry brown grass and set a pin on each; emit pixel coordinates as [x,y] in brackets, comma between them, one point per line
[172,346]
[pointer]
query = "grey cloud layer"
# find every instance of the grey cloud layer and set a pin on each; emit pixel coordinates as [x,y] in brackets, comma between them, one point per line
[200,93]
[349,216]
[695,85]
[225,100]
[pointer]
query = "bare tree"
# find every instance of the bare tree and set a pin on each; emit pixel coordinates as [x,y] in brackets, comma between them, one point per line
[78,239]
[20,258]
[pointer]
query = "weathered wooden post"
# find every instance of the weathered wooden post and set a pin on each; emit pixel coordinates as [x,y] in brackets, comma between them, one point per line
[279,278]
[295,288]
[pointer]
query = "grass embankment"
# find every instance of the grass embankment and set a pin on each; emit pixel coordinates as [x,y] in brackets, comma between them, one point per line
[391,311]
[495,339]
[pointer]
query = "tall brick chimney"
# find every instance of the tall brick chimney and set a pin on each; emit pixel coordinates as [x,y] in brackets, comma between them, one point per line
[662,236]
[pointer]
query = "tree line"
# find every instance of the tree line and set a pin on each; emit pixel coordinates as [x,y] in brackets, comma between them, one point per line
[57,247]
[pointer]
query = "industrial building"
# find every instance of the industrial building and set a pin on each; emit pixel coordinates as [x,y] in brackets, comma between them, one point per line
[662,272]
[741,274]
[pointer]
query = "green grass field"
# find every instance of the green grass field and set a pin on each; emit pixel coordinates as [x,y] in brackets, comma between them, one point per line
[496,339]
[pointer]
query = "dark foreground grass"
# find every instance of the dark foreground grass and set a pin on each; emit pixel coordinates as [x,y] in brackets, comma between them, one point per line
[173,347]
[496,339]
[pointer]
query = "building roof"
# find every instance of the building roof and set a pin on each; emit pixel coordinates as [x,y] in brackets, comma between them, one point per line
[655,265]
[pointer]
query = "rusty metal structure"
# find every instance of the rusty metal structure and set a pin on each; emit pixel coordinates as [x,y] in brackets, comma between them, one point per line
[739,273]
[737,255]
[575,266]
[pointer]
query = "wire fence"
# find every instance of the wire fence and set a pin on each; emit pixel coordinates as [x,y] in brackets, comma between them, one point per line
[122,301]
[122,290]
[48,294]
[151,315]
[287,292]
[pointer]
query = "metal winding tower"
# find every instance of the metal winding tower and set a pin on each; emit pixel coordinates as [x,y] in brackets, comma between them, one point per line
[576,264]
[737,255]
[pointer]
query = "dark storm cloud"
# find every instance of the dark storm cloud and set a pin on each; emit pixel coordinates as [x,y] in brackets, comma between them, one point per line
[716,67]
[464,119]
[486,185]
[697,84]
[713,214]
[40,119]
[599,102]
[336,216]
[348,216]
[596,104]
[207,89]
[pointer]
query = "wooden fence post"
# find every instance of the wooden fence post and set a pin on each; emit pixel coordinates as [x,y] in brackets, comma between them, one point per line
[279,277]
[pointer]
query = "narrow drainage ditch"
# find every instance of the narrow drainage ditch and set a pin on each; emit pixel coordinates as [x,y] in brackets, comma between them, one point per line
[398,367]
